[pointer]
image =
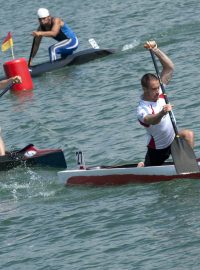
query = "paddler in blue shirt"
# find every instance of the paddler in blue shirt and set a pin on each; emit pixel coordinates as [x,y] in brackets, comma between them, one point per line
[57,29]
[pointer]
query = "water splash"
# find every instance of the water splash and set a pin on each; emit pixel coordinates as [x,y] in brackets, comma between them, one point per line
[28,183]
[130,45]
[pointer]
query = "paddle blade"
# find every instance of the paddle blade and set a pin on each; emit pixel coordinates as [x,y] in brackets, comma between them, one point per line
[183,156]
[93,43]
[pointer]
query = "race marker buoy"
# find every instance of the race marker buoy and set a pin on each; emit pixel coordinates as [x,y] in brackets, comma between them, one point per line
[19,67]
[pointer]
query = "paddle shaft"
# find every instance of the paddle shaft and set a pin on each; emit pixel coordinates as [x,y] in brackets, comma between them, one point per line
[164,93]
[29,60]
[6,89]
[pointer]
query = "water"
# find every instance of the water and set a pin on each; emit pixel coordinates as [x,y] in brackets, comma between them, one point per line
[91,107]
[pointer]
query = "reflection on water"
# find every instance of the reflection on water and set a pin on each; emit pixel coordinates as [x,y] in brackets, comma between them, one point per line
[23,95]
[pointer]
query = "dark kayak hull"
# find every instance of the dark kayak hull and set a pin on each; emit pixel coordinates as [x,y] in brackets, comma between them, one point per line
[30,156]
[78,58]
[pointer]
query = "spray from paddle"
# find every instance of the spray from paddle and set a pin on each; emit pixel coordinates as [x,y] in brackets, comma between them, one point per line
[125,47]
[130,46]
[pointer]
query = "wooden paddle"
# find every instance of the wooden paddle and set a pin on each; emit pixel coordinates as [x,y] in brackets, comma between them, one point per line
[182,153]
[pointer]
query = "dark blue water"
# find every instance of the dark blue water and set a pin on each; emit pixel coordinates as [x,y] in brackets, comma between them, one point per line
[44,225]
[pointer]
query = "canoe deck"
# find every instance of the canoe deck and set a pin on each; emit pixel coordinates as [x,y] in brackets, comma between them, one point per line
[78,58]
[121,175]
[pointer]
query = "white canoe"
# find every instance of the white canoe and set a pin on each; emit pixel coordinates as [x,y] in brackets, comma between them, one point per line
[121,175]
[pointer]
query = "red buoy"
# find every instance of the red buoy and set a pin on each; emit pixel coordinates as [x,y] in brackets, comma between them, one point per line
[19,67]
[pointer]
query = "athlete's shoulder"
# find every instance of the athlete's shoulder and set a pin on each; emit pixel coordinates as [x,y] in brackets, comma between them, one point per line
[57,20]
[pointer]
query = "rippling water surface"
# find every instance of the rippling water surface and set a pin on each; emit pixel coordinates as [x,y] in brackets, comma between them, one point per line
[91,107]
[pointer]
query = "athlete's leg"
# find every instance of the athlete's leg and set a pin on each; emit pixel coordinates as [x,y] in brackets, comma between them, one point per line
[65,47]
[188,135]
[2,147]
[156,157]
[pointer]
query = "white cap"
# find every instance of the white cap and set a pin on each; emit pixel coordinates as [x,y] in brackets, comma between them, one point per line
[42,13]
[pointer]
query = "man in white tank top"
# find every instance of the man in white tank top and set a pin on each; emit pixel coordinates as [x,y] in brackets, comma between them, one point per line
[152,112]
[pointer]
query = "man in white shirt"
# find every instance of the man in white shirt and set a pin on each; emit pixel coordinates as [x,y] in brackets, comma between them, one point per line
[152,112]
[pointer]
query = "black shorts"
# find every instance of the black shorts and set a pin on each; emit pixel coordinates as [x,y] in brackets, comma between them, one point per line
[156,157]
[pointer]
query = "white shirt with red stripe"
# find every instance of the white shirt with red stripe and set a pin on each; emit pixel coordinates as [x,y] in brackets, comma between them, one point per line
[161,135]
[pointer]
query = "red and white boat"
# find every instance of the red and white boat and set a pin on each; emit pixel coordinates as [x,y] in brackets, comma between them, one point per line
[121,175]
